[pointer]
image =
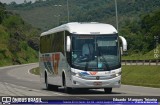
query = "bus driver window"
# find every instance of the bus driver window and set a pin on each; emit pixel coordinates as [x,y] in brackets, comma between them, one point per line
[87,49]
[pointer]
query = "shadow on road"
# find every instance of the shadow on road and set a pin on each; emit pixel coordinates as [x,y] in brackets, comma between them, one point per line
[85,91]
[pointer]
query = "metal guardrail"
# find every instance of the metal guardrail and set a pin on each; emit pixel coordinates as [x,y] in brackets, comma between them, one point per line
[141,62]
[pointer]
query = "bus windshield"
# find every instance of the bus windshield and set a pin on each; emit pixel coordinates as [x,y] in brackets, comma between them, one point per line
[95,52]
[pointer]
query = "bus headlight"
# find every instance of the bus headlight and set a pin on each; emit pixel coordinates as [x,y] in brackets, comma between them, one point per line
[75,74]
[80,74]
[116,74]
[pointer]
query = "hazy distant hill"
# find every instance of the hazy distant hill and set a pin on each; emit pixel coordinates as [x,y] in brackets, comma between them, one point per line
[44,14]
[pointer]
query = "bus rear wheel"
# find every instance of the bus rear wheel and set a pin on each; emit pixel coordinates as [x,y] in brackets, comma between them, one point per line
[108,90]
[48,86]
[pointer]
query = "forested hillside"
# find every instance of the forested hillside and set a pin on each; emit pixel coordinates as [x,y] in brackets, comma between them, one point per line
[143,35]
[139,20]
[18,40]
[44,14]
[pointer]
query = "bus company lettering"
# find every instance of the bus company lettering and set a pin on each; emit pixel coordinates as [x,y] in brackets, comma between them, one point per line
[55,58]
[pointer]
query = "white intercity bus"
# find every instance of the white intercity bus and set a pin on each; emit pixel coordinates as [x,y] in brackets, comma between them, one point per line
[81,55]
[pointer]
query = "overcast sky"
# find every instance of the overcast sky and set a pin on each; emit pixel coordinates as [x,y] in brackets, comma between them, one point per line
[17,1]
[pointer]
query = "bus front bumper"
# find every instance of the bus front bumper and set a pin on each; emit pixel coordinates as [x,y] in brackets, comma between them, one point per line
[78,82]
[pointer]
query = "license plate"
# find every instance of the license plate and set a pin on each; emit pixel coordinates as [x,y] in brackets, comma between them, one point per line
[97,83]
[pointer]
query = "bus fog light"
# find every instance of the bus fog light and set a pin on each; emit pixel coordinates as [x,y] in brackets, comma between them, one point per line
[73,73]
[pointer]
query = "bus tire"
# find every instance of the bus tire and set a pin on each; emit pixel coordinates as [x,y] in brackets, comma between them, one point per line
[48,86]
[54,87]
[66,89]
[108,90]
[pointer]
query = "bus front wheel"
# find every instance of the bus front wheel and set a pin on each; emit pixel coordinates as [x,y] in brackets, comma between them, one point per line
[66,89]
[108,90]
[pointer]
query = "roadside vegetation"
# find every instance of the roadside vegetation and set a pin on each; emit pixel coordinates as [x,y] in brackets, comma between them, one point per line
[148,76]
[147,56]
[143,36]
[18,40]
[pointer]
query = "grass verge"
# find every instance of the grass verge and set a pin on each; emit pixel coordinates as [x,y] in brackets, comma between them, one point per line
[141,75]
[35,71]
[138,75]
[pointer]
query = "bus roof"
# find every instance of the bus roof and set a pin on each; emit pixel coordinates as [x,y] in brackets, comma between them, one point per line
[83,28]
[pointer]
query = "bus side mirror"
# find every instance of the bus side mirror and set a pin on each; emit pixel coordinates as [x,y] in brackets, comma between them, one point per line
[124,44]
[121,50]
[68,44]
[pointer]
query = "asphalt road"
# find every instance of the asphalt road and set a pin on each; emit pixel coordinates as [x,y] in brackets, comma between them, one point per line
[17,81]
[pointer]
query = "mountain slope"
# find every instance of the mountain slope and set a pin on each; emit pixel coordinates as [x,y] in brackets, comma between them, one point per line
[45,14]
[15,38]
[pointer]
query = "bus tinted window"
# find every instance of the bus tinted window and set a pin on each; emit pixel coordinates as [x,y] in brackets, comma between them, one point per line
[52,43]
[58,42]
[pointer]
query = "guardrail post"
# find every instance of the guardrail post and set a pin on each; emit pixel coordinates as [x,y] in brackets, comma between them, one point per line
[149,62]
[136,62]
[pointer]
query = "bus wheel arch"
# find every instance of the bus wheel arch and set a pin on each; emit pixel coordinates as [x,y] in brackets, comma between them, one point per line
[63,79]
[66,89]
[48,86]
